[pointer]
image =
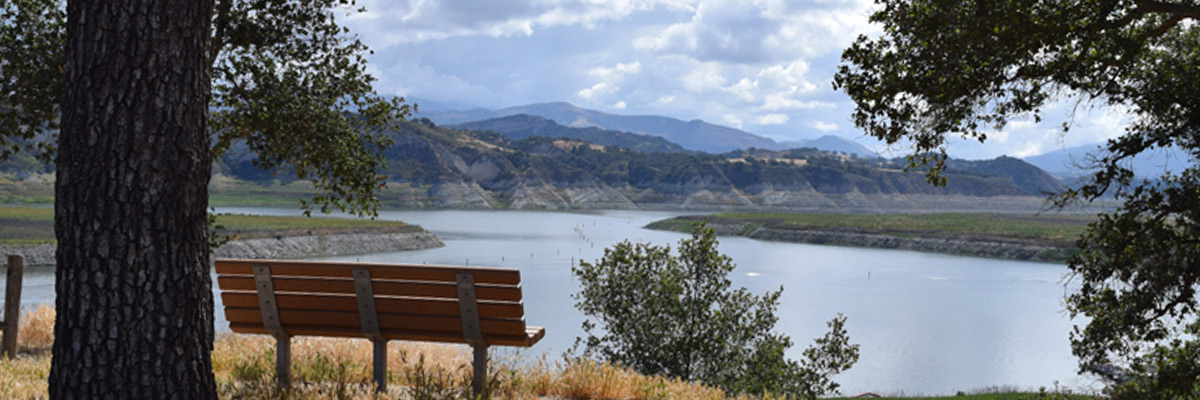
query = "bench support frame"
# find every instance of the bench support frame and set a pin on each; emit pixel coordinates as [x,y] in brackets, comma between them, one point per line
[468,307]
[370,325]
[270,313]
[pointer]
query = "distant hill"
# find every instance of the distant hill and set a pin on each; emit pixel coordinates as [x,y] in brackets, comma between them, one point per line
[433,166]
[1029,177]
[1066,163]
[833,143]
[692,135]
[521,126]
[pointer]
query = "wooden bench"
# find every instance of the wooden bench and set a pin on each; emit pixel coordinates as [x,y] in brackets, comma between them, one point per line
[478,306]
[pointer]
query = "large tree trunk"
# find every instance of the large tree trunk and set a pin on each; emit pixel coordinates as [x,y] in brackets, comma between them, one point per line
[134,292]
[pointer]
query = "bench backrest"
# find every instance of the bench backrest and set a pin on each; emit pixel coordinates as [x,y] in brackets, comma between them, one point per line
[412,302]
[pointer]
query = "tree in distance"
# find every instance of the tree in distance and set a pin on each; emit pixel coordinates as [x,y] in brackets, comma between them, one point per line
[966,68]
[132,100]
[662,314]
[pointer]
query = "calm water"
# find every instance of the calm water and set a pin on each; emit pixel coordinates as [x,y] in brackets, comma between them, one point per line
[927,323]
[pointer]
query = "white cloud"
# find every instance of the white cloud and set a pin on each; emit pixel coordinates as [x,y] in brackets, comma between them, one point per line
[1023,138]
[391,22]
[730,31]
[777,87]
[733,120]
[773,119]
[617,71]
[706,76]
[817,30]
[405,78]
[620,105]
[598,90]
[742,31]
[775,102]
[824,126]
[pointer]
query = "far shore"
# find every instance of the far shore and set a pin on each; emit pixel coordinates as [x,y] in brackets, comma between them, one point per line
[29,231]
[1048,238]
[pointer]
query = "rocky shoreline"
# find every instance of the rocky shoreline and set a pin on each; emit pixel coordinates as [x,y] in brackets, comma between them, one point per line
[962,247]
[42,254]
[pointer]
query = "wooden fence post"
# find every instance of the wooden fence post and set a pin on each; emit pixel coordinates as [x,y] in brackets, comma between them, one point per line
[12,305]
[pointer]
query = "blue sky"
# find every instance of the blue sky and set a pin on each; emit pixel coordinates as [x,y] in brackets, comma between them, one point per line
[763,66]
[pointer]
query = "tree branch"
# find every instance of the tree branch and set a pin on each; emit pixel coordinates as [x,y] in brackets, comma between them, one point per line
[1175,9]
[1161,29]
[219,26]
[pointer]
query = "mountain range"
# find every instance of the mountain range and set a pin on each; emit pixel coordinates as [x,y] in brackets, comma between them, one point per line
[435,166]
[521,126]
[695,135]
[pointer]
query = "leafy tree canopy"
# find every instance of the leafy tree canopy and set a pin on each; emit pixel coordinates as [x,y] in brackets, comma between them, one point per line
[287,80]
[677,316]
[965,68]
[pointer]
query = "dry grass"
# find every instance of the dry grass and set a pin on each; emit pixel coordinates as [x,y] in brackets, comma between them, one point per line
[244,366]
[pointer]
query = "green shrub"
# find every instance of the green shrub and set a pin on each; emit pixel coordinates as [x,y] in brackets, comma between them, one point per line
[676,316]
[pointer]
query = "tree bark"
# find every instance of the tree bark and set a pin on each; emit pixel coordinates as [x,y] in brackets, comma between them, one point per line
[134,294]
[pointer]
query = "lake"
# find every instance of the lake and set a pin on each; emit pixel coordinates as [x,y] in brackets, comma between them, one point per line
[927,323]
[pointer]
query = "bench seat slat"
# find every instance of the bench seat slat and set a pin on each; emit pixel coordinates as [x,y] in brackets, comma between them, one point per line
[348,303]
[291,318]
[378,271]
[447,290]
[524,340]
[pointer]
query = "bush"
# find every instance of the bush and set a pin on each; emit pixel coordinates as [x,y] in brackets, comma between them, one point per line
[676,316]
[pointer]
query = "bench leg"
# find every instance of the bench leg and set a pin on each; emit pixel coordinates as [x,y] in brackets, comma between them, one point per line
[283,359]
[380,365]
[477,380]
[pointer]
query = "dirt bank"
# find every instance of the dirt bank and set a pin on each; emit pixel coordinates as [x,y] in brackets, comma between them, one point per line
[277,247]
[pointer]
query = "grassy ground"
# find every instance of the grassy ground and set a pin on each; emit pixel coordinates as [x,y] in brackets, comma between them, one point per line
[21,225]
[1049,230]
[225,191]
[341,368]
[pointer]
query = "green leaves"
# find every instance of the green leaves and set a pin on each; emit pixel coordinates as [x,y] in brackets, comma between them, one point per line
[292,85]
[966,68]
[677,316]
[962,68]
[32,43]
[288,81]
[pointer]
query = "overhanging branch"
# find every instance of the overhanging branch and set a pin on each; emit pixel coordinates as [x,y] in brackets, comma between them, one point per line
[1175,9]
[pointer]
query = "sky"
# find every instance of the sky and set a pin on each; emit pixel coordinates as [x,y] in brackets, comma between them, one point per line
[763,66]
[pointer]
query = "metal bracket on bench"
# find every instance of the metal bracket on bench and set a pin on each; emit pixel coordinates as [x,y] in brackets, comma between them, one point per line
[367,315]
[369,319]
[266,300]
[271,321]
[469,309]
